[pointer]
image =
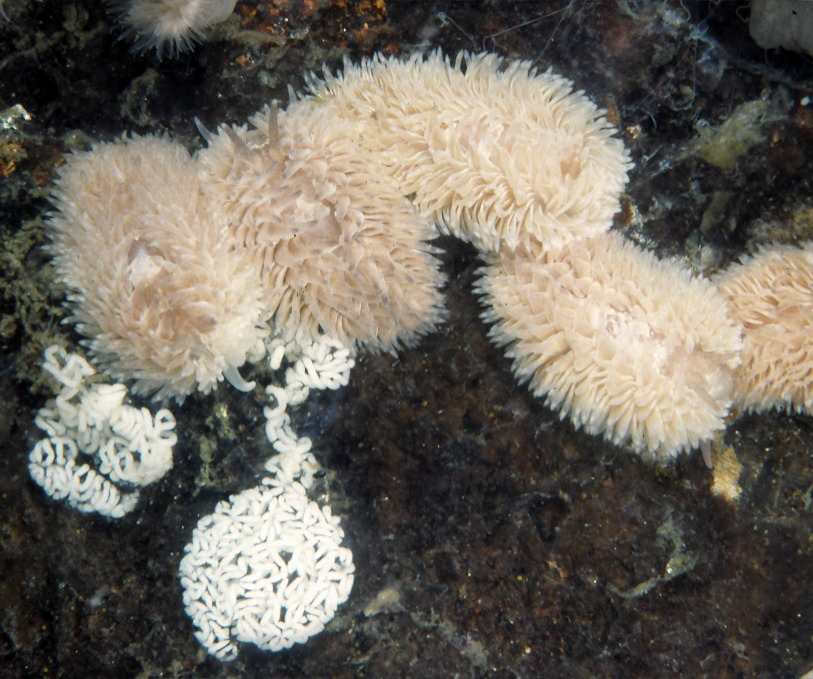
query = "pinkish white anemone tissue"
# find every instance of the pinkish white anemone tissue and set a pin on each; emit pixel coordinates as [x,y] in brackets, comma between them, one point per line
[627,346]
[338,249]
[498,154]
[162,298]
[771,294]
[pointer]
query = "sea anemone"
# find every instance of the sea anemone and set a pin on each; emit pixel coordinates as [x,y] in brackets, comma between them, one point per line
[338,249]
[497,153]
[163,298]
[771,295]
[169,26]
[628,346]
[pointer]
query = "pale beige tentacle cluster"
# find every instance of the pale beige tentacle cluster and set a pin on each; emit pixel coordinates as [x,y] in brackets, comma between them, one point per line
[317,220]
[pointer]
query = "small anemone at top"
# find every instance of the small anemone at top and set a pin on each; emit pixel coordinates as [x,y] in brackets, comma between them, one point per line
[169,26]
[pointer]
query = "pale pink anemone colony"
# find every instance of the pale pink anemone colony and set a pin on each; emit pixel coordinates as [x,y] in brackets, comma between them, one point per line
[317,219]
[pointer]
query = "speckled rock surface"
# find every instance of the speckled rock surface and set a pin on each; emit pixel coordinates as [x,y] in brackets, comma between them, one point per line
[490,539]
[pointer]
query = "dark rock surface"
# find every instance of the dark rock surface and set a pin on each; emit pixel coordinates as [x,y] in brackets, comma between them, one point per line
[490,539]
